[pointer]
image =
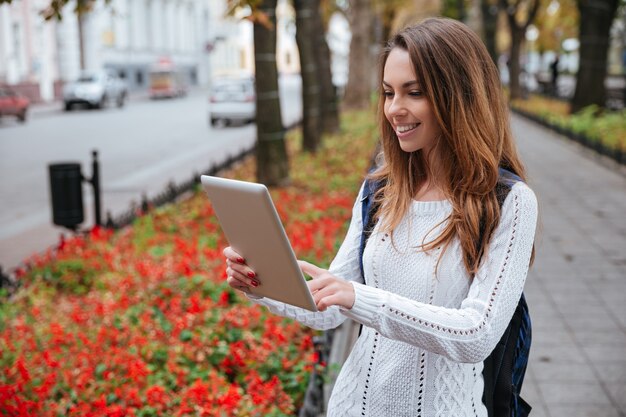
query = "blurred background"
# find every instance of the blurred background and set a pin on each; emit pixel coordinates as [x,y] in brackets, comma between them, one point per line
[162,89]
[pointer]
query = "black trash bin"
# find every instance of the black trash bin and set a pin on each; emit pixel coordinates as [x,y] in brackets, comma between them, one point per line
[66,193]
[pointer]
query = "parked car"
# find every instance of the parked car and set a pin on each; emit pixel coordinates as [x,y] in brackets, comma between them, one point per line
[96,89]
[13,104]
[232,99]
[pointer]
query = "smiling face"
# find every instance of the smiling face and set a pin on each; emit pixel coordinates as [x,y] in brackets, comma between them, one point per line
[406,107]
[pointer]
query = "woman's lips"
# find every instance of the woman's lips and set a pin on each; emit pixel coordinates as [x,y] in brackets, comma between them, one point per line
[406,130]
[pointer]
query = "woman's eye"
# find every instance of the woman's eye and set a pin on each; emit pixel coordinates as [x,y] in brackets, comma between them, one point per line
[388,93]
[416,93]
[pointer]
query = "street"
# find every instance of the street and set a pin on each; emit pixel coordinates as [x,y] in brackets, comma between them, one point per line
[142,147]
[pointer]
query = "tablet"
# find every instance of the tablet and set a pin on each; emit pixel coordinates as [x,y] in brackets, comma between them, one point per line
[252,227]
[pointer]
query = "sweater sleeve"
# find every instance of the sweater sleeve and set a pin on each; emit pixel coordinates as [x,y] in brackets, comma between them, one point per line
[345,265]
[469,333]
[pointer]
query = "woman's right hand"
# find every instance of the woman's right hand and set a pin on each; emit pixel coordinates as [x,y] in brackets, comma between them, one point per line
[239,275]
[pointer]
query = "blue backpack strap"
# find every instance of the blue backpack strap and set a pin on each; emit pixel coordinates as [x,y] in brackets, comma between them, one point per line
[367,210]
[508,177]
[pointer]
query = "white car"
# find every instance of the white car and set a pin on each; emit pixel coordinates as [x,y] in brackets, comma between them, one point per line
[232,99]
[96,89]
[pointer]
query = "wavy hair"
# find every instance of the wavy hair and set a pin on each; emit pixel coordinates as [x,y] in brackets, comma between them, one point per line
[461,83]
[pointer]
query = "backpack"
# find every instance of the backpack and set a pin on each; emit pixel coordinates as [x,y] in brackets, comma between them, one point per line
[504,369]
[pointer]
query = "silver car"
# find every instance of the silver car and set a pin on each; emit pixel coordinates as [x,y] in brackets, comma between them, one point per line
[95,89]
[232,99]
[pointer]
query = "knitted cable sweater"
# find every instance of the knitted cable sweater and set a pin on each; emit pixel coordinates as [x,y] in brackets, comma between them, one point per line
[425,333]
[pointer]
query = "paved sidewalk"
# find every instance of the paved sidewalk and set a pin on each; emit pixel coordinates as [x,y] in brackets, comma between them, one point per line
[576,289]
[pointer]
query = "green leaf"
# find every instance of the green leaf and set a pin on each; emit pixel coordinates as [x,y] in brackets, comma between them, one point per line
[185,336]
[100,370]
[160,251]
[161,319]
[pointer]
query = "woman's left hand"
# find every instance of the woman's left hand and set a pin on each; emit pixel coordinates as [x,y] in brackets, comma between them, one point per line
[327,289]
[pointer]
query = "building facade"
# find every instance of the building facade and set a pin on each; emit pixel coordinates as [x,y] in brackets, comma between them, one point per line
[28,49]
[127,36]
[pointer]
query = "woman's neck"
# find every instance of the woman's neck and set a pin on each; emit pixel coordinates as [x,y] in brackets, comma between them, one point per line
[429,192]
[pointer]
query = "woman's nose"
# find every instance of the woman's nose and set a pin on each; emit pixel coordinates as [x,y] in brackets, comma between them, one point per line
[396,107]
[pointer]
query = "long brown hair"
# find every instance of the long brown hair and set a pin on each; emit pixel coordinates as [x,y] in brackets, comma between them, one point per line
[461,83]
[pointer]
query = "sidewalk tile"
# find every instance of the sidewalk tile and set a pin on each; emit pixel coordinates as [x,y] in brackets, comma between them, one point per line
[572,394]
[558,353]
[564,372]
[592,307]
[605,352]
[594,337]
[598,321]
[577,411]
[611,372]
[618,393]
[557,337]
[547,325]
[569,283]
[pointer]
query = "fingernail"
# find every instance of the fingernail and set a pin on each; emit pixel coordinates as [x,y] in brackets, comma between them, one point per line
[255,283]
[240,260]
[251,274]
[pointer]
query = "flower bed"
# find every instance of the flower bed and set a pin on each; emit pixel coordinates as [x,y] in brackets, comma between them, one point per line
[603,132]
[140,323]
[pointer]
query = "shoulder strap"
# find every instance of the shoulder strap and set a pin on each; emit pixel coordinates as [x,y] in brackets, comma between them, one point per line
[368,208]
[506,181]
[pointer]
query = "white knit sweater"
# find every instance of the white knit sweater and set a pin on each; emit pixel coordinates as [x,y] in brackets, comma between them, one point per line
[424,336]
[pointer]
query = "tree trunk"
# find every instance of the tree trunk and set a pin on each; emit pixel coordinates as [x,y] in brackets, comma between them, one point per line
[81,39]
[388,17]
[360,66]
[594,45]
[307,38]
[328,99]
[460,5]
[518,31]
[489,14]
[82,7]
[517,37]
[272,164]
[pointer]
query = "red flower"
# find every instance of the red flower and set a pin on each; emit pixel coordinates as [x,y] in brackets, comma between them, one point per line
[20,365]
[156,396]
[230,401]
[224,300]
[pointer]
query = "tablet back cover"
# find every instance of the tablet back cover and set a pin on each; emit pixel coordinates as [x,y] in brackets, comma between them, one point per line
[252,227]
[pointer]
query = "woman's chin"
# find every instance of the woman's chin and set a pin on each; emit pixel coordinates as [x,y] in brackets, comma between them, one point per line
[408,147]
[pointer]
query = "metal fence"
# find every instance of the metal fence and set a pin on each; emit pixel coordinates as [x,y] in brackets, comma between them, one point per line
[172,192]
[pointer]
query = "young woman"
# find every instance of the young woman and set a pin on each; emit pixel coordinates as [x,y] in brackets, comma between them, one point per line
[445,266]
